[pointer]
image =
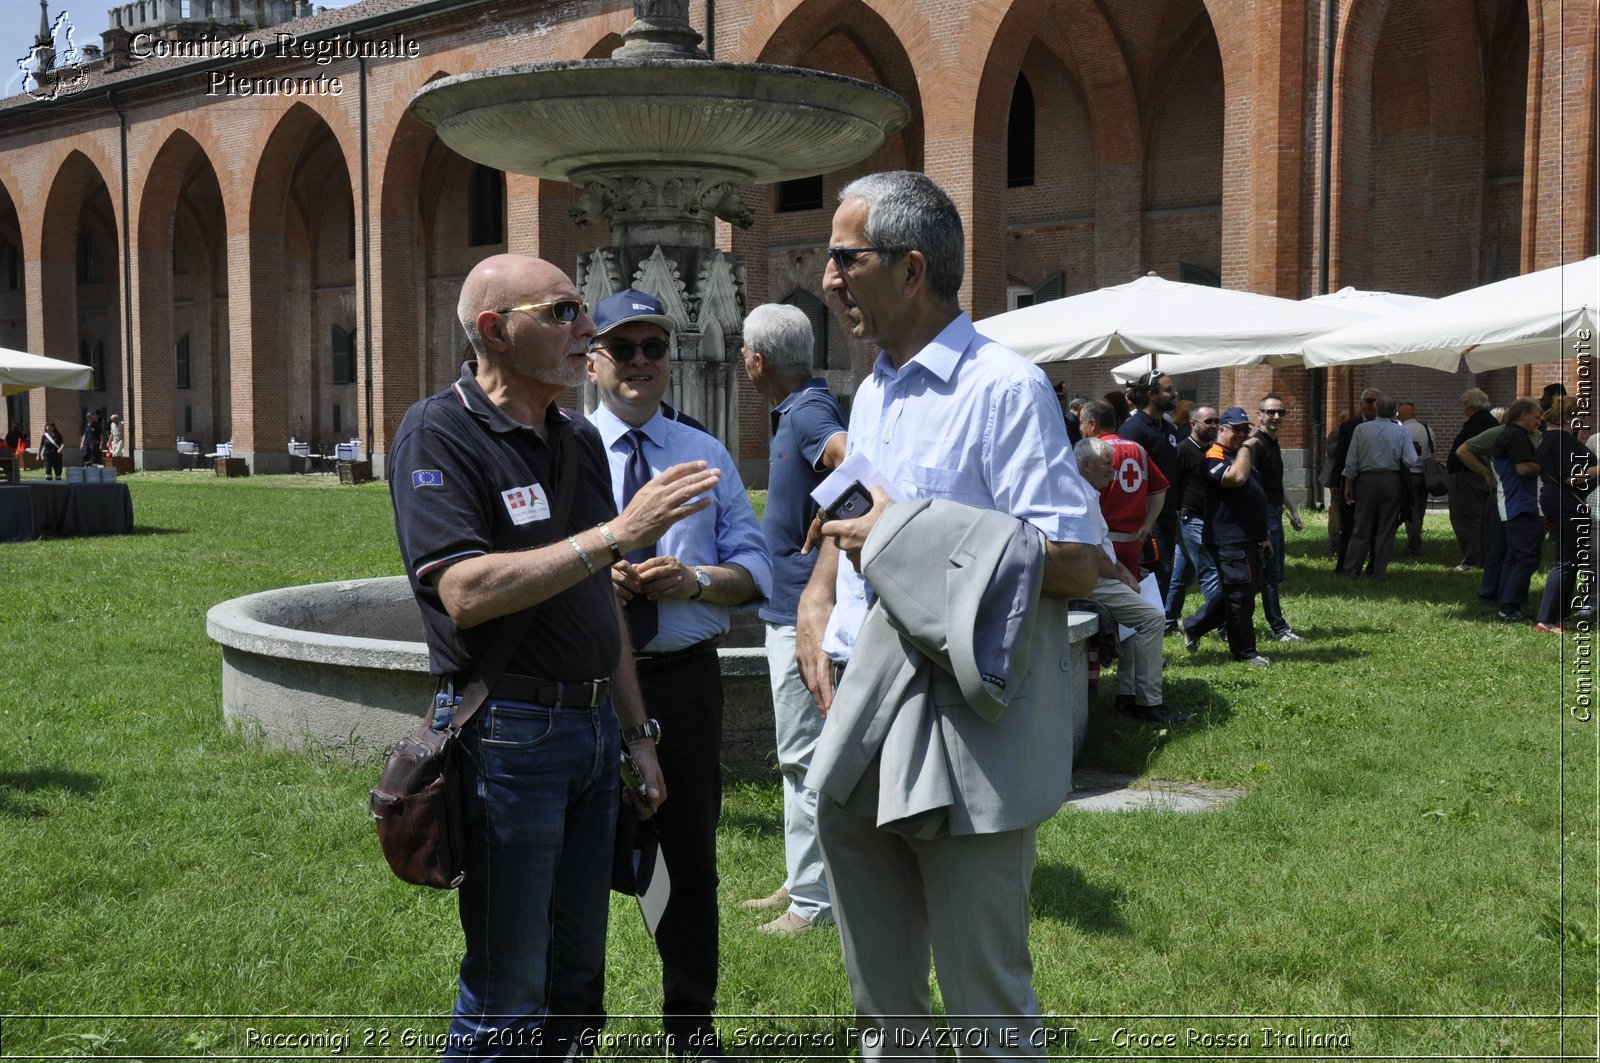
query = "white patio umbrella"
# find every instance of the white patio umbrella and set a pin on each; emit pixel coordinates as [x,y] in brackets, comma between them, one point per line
[20,371]
[1168,317]
[1360,304]
[1536,317]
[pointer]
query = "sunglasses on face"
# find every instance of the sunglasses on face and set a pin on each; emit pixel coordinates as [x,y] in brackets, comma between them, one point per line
[1273,413]
[622,350]
[1208,420]
[565,311]
[845,257]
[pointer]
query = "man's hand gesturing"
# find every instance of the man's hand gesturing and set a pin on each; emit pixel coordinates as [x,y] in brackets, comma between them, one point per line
[680,491]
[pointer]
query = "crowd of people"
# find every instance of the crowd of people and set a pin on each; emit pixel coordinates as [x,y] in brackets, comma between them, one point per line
[922,858]
[95,446]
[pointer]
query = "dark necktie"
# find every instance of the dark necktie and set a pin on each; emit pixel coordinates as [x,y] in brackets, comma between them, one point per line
[643,621]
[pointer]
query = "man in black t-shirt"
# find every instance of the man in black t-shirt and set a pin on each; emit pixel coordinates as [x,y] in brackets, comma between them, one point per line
[1269,461]
[1153,396]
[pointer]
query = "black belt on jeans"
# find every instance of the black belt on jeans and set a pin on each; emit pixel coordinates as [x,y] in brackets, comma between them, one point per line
[1189,514]
[669,656]
[589,695]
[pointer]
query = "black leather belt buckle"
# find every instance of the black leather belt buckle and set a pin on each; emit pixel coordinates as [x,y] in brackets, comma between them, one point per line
[537,691]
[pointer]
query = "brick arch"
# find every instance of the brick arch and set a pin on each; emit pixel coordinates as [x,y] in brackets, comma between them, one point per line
[75,183]
[789,34]
[1421,65]
[278,319]
[1094,59]
[13,304]
[1184,158]
[406,304]
[166,214]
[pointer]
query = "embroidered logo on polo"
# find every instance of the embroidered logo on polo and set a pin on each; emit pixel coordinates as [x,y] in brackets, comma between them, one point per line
[427,478]
[526,504]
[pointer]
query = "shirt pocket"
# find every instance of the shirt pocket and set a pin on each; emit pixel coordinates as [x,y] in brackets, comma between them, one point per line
[931,481]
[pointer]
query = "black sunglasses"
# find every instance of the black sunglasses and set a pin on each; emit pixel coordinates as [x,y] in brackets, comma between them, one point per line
[622,350]
[845,257]
[1273,413]
[565,311]
[1208,420]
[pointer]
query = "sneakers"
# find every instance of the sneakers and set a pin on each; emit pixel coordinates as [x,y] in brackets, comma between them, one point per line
[1286,635]
[1555,629]
[1511,616]
[786,925]
[779,899]
[1255,660]
[1463,567]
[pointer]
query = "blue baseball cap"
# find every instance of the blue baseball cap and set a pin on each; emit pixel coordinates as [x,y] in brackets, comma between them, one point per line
[1234,415]
[630,305]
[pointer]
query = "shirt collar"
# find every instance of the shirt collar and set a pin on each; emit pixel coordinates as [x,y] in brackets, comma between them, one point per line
[613,428]
[812,384]
[471,396]
[941,356]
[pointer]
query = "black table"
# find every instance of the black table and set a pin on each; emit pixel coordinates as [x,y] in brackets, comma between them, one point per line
[54,508]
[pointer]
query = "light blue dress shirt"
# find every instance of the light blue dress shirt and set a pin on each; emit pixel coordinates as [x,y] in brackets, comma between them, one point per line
[969,420]
[726,532]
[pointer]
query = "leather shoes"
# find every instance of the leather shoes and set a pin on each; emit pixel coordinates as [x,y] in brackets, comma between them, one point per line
[761,904]
[1152,713]
[786,925]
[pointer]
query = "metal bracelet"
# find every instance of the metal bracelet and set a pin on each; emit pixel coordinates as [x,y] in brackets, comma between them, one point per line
[581,555]
[611,541]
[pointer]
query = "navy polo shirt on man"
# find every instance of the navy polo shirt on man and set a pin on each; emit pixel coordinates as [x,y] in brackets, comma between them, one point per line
[467,480]
[802,424]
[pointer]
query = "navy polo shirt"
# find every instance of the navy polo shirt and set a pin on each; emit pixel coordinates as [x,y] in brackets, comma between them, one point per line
[467,480]
[1159,438]
[802,424]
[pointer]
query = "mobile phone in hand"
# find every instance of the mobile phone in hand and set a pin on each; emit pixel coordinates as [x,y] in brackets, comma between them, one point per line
[854,502]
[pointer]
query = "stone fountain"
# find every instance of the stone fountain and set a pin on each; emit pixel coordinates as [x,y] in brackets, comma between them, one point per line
[660,141]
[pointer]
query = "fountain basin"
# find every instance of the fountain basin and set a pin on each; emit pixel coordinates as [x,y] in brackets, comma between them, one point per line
[341,669]
[580,119]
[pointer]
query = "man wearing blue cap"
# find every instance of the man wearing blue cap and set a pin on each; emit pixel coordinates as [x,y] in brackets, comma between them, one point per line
[676,596]
[1236,528]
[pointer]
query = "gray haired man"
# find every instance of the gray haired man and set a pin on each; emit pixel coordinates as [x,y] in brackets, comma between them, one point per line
[808,439]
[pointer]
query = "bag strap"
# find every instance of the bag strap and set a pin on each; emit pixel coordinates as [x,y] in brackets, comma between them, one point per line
[508,633]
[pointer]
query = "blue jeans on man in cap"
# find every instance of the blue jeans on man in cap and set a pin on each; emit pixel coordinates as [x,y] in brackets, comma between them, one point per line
[539,786]
[1190,558]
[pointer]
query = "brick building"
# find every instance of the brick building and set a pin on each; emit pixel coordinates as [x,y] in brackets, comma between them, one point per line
[250,238]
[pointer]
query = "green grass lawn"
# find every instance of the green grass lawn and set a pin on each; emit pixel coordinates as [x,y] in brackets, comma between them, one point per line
[1413,865]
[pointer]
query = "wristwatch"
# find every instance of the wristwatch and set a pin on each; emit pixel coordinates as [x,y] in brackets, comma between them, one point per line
[648,729]
[702,580]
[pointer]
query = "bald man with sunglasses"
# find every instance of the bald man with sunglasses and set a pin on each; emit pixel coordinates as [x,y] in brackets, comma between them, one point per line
[476,477]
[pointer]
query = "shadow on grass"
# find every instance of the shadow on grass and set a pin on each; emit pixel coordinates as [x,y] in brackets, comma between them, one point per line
[147,529]
[17,786]
[753,822]
[1061,893]
[1116,743]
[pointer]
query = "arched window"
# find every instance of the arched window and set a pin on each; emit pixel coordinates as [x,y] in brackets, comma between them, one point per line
[1020,136]
[486,207]
[817,314]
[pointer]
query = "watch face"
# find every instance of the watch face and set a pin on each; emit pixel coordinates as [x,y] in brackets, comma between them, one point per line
[701,577]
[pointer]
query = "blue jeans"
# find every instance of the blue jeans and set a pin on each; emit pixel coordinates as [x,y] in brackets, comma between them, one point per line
[1189,559]
[1272,573]
[539,789]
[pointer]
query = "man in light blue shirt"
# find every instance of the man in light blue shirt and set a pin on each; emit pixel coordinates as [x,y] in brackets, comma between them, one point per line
[946,414]
[676,597]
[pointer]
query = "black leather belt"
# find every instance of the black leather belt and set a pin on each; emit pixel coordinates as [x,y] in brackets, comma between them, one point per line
[1189,514]
[656,660]
[531,688]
